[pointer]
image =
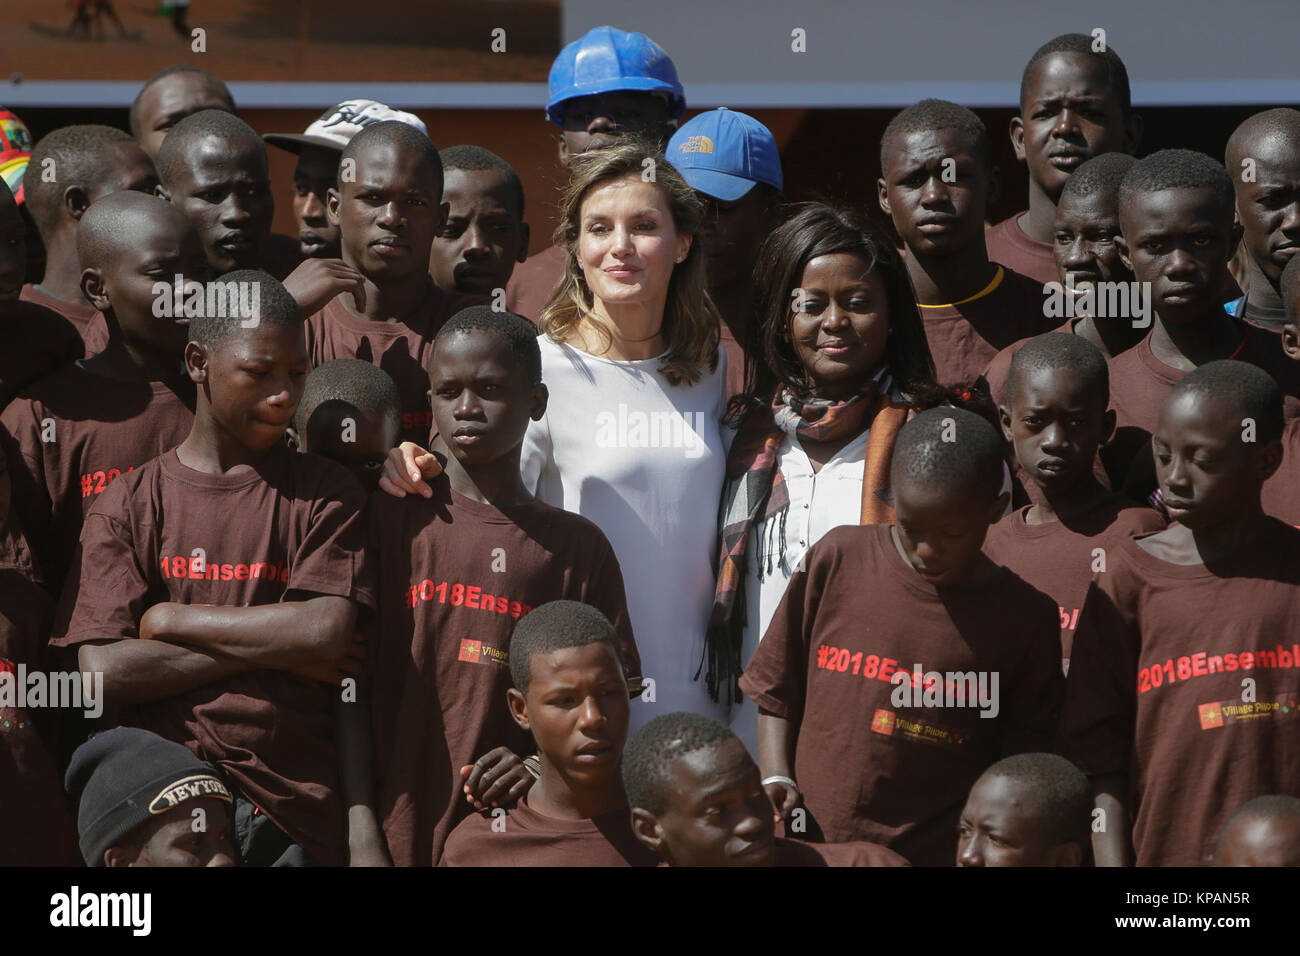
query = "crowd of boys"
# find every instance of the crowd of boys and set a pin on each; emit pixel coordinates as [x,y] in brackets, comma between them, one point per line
[296,668]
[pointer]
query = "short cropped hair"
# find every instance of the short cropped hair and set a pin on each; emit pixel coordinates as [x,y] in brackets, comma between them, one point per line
[114,223]
[224,90]
[950,448]
[932,114]
[518,334]
[1273,806]
[364,386]
[1254,392]
[1081,43]
[81,157]
[173,155]
[1061,350]
[1179,169]
[1101,174]
[394,133]
[477,159]
[1059,795]
[557,626]
[656,745]
[275,307]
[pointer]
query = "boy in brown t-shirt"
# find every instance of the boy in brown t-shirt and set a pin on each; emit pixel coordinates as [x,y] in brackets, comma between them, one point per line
[697,800]
[571,694]
[388,209]
[350,412]
[476,249]
[1177,235]
[1185,671]
[1055,418]
[1281,494]
[35,827]
[936,176]
[72,433]
[881,705]
[1086,255]
[1027,810]
[88,163]
[212,166]
[33,340]
[1074,104]
[1263,159]
[456,571]
[219,585]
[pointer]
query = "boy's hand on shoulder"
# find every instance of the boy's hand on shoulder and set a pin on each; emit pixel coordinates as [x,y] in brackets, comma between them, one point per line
[497,779]
[406,468]
[784,798]
[316,281]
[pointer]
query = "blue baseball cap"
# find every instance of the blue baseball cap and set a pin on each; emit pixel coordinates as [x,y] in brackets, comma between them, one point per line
[724,154]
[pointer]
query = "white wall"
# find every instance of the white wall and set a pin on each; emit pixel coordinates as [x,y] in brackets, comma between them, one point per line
[872,53]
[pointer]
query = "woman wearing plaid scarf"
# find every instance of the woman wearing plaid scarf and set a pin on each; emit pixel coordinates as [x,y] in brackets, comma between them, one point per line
[846,364]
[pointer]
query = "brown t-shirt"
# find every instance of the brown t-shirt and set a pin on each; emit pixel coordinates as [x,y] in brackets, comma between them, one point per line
[289,529]
[965,337]
[401,349]
[531,282]
[68,437]
[1008,244]
[523,837]
[798,853]
[1280,495]
[1139,383]
[35,826]
[34,341]
[85,318]
[1157,690]
[1059,559]
[872,763]
[454,577]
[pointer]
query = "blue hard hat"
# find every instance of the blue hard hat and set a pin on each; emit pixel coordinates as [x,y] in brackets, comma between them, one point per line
[724,154]
[606,59]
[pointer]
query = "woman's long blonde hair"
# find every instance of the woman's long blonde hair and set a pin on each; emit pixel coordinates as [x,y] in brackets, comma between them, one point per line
[691,321]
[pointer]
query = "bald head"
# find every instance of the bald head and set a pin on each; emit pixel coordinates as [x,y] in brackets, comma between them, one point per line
[76,165]
[123,221]
[1263,159]
[1263,832]
[397,136]
[213,167]
[1269,131]
[169,97]
[194,134]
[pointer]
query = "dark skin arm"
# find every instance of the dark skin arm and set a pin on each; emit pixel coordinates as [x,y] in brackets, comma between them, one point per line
[366,845]
[315,638]
[776,738]
[1110,844]
[137,672]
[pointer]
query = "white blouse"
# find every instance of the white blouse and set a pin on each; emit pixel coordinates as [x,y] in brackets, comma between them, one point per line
[818,502]
[644,461]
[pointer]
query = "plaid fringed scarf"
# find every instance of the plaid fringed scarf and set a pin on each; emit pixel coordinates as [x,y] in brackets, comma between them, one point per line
[754,490]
